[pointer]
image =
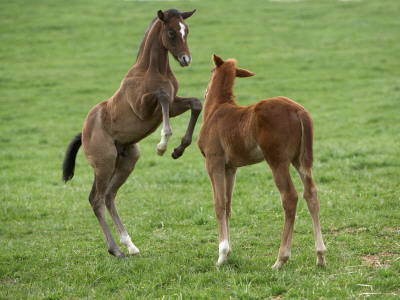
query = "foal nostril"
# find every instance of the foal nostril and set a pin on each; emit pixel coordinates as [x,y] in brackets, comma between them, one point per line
[185,60]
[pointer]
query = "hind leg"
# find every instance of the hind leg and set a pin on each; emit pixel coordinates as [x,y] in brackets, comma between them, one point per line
[97,199]
[103,163]
[311,197]
[289,199]
[124,167]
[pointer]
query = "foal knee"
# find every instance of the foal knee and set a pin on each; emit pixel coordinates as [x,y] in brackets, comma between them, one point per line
[220,210]
[197,106]
[162,95]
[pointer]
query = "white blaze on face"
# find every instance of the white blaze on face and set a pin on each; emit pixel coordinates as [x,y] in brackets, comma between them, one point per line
[183,27]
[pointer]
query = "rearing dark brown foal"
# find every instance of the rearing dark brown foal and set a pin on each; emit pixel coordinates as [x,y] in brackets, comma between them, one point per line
[147,96]
[276,130]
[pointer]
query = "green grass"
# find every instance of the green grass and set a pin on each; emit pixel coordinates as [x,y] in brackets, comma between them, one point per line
[338,59]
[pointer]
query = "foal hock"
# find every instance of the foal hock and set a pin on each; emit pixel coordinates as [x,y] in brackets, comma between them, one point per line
[147,96]
[276,130]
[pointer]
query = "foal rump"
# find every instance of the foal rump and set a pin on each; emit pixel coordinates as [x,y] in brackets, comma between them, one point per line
[281,122]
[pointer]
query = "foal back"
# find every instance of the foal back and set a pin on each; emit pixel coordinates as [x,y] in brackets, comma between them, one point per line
[270,129]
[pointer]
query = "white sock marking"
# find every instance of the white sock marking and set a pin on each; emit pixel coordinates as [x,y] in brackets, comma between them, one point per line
[126,241]
[163,144]
[223,252]
[183,27]
[164,140]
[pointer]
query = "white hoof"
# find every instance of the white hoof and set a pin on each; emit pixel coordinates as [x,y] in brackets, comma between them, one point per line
[161,149]
[224,251]
[221,260]
[127,242]
[133,250]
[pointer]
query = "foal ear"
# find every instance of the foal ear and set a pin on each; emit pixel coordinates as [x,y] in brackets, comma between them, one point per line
[243,73]
[187,14]
[161,15]
[218,61]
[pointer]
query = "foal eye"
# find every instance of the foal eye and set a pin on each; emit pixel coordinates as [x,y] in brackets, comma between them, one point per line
[171,33]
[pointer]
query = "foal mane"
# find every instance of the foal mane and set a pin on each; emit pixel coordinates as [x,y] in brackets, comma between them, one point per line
[146,33]
[228,80]
[171,12]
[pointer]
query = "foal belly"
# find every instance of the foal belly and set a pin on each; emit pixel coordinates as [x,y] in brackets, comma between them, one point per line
[135,130]
[240,157]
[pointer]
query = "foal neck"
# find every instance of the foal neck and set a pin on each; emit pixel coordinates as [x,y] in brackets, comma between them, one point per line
[220,91]
[153,55]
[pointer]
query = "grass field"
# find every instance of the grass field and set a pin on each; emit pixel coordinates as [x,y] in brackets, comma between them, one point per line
[339,59]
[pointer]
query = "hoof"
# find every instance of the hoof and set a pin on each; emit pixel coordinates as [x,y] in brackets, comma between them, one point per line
[161,151]
[174,156]
[221,260]
[134,252]
[277,266]
[279,263]
[321,263]
[224,251]
[117,253]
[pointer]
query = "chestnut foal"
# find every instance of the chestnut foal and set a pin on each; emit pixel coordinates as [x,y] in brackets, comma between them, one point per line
[277,130]
[147,96]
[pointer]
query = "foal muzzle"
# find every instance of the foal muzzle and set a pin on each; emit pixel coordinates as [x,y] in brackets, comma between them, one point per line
[184,60]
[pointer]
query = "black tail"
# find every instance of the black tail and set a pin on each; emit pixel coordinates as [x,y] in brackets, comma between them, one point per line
[70,156]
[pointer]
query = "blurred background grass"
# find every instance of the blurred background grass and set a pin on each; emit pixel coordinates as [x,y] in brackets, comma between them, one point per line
[339,59]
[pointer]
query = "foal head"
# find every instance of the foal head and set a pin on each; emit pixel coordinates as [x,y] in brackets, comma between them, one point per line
[224,74]
[229,66]
[174,34]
